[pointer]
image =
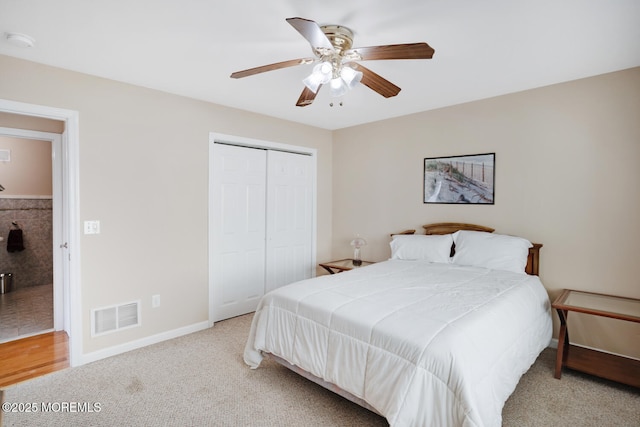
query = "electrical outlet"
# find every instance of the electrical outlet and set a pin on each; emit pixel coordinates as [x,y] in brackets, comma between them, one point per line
[155,301]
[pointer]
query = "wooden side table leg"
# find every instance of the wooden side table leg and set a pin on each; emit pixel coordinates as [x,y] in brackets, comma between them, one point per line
[563,343]
[328,269]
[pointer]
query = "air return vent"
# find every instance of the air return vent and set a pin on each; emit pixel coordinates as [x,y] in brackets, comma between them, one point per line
[114,318]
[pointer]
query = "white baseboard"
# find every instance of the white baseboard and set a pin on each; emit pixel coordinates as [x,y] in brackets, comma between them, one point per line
[553,343]
[143,342]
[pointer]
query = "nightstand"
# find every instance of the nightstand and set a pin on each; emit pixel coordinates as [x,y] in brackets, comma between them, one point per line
[342,265]
[606,365]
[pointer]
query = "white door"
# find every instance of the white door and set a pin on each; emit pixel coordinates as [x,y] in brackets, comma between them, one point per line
[289,218]
[238,229]
[261,223]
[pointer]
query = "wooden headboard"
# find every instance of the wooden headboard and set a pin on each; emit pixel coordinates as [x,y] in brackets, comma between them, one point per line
[533,260]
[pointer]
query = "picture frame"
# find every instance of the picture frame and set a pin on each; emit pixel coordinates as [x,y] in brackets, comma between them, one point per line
[467,179]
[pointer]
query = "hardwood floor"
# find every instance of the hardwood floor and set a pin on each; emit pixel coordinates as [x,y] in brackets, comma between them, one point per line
[32,357]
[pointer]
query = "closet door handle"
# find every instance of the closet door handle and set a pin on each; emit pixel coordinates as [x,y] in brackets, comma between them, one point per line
[65,245]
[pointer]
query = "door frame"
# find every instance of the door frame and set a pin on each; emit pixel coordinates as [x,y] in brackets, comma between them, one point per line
[220,138]
[66,189]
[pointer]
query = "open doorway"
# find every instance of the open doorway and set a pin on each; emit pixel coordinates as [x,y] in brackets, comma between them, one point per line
[26,235]
[20,117]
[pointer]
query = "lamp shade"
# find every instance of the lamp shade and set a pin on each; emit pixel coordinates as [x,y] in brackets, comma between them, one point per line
[321,74]
[338,87]
[358,242]
[350,76]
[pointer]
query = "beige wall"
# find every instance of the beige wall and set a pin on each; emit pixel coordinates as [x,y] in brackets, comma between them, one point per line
[567,175]
[29,171]
[144,175]
[41,124]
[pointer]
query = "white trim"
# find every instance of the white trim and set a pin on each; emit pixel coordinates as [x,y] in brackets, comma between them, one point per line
[259,143]
[267,145]
[28,134]
[142,342]
[69,163]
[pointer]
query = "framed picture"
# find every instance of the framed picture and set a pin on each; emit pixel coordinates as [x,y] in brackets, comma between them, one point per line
[460,179]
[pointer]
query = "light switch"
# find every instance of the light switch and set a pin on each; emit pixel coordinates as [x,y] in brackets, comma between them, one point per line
[92,227]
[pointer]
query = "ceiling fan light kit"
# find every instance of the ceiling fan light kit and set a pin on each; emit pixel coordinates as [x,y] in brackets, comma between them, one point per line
[341,77]
[336,61]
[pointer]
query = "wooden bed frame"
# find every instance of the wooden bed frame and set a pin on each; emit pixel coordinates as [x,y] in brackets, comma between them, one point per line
[533,260]
[436,228]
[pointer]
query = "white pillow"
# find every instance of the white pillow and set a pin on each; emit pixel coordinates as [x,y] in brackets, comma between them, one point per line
[433,248]
[493,251]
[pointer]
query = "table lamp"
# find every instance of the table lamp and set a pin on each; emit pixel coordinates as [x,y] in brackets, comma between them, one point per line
[357,243]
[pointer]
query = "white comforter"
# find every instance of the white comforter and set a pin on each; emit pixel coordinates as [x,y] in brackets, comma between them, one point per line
[425,344]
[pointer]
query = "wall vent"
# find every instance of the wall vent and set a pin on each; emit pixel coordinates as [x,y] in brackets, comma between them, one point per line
[115,318]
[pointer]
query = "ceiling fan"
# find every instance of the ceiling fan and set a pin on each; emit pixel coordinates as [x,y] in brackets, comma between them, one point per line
[336,61]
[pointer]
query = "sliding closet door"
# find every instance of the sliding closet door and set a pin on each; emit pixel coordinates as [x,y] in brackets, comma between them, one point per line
[289,218]
[238,229]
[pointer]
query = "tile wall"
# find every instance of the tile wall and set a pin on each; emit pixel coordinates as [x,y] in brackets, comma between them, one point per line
[34,265]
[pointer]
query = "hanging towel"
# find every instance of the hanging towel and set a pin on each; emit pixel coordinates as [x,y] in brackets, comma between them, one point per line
[15,242]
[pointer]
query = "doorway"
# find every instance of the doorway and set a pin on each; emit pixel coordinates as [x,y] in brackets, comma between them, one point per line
[66,259]
[28,213]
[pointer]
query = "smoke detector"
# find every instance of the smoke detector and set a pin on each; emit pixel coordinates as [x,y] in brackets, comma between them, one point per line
[20,40]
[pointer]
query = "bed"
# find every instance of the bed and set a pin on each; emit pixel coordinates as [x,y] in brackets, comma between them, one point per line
[438,335]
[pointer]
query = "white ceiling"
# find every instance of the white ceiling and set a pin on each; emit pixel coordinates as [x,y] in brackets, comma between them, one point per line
[190,47]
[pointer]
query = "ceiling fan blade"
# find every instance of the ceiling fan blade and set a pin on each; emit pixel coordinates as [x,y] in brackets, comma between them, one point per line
[311,31]
[271,67]
[376,82]
[393,51]
[307,96]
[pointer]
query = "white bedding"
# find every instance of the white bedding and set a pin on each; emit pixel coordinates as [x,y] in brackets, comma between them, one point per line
[425,344]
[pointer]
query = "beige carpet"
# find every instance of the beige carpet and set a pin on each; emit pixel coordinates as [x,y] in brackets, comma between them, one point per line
[201,380]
